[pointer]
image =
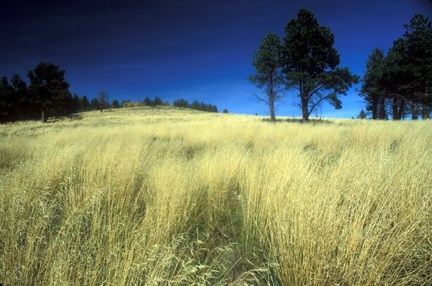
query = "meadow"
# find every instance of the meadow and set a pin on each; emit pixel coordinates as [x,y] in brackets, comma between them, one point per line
[178,197]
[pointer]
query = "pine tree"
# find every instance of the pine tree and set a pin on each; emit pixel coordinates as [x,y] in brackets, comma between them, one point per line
[371,88]
[268,65]
[362,114]
[48,91]
[310,64]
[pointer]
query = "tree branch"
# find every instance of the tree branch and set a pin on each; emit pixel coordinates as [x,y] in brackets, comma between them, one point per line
[262,99]
[313,91]
[315,104]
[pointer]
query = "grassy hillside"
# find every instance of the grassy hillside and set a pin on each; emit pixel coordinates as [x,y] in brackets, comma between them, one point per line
[178,197]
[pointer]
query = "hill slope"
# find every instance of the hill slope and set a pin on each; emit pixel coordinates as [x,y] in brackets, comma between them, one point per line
[179,197]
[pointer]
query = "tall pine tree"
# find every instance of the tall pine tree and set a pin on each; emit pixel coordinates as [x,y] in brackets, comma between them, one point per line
[268,65]
[371,90]
[48,91]
[310,64]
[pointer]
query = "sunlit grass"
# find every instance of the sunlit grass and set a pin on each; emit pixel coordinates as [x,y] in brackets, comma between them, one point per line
[178,197]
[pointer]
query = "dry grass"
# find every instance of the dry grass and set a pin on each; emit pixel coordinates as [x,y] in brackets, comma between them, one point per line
[175,197]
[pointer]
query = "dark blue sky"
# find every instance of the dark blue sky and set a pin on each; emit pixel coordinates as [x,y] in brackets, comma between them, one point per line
[194,49]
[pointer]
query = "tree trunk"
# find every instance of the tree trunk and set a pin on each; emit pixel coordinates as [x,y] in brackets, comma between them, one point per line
[43,117]
[395,110]
[271,96]
[402,109]
[272,110]
[381,108]
[415,112]
[425,110]
[305,109]
[374,108]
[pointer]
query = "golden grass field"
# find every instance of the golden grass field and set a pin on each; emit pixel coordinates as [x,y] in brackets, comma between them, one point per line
[177,197]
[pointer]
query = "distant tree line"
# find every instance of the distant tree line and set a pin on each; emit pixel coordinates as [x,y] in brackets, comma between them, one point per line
[48,95]
[195,105]
[81,103]
[157,101]
[400,83]
[183,103]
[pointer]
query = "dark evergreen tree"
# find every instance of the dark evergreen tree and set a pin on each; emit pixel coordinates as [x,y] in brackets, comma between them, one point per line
[21,108]
[148,101]
[181,103]
[84,103]
[371,90]
[362,114]
[94,104]
[310,64]
[268,65]
[195,105]
[76,103]
[407,74]
[418,53]
[204,107]
[48,91]
[157,101]
[396,79]
[115,103]
[6,100]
